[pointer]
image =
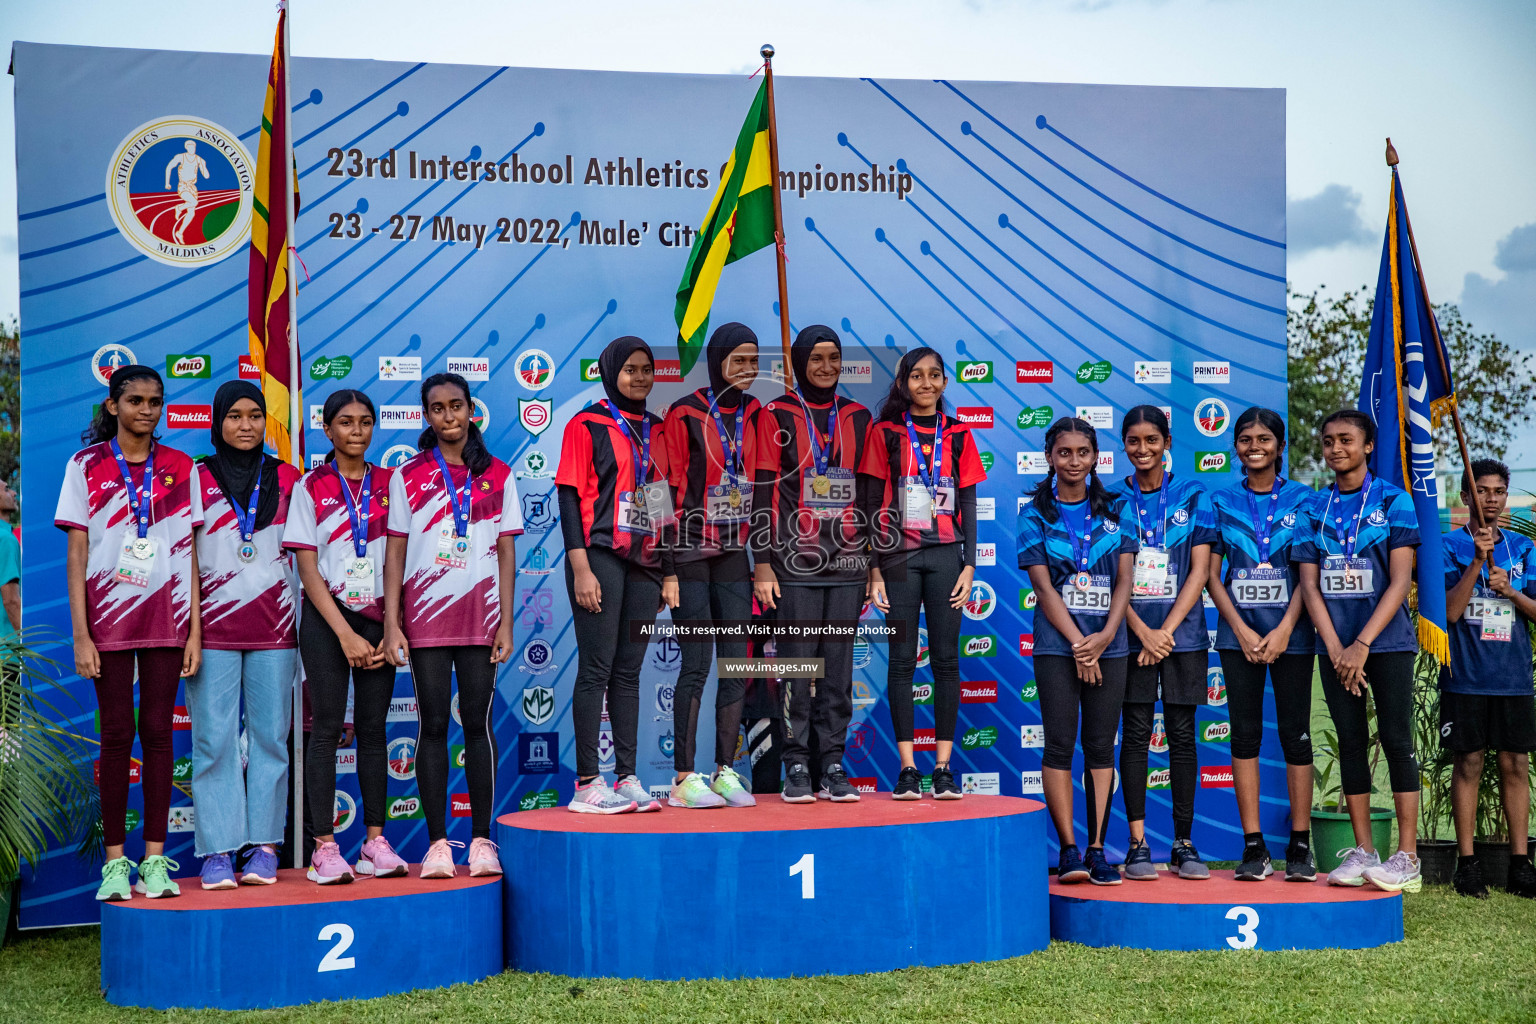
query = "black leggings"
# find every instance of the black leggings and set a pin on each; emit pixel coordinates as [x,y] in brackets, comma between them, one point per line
[1062,694]
[607,660]
[923,581]
[719,590]
[1183,762]
[1291,675]
[327,673]
[432,671]
[1390,679]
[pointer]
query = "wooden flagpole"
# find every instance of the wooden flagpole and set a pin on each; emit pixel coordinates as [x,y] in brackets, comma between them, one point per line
[296,427]
[778,218]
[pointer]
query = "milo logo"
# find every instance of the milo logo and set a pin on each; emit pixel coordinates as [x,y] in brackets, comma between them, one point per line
[1036,417]
[334,367]
[1026,599]
[1217,732]
[922,693]
[1030,693]
[1158,778]
[456,755]
[183,366]
[589,371]
[1210,462]
[540,800]
[973,372]
[182,770]
[404,807]
[978,646]
[1094,372]
[979,739]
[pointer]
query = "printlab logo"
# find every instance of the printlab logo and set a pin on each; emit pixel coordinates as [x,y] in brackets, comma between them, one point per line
[980,602]
[400,417]
[179,190]
[1211,416]
[535,414]
[539,510]
[471,368]
[534,369]
[538,704]
[402,758]
[108,359]
[1213,372]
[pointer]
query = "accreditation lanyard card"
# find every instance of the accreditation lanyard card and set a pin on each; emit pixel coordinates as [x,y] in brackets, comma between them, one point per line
[452,550]
[1092,599]
[919,505]
[357,588]
[137,561]
[1496,616]
[728,503]
[1345,578]
[657,496]
[1152,580]
[828,493]
[1258,588]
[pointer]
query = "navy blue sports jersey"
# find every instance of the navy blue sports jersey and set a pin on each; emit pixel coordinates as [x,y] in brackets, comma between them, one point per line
[1050,545]
[1187,523]
[1260,600]
[1388,522]
[1494,667]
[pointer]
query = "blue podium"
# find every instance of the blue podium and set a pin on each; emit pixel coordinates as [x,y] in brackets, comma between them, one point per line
[1223,913]
[776,890]
[296,942]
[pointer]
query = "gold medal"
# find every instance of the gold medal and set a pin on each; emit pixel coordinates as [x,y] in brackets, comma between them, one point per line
[734,497]
[820,485]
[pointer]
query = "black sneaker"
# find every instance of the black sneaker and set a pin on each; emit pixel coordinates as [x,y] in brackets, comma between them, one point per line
[1100,870]
[1255,865]
[944,787]
[1138,862]
[1522,880]
[1070,869]
[1468,879]
[1300,865]
[797,785]
[835,785]
[1185,859]
[909,785]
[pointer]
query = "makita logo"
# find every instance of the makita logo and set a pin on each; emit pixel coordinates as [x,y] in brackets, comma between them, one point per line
[1216,777]
[1026,645]
[863,783]
[924,739]
[248,369]
[180,720]
[976,416]
[669,369]
[1035,371]
[978,693]
[459,805]
[180,417]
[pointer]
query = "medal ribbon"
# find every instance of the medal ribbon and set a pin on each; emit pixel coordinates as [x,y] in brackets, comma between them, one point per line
[821,456]
[1081,546]
[1162,511]
[460,512]
[247,521]
[357,510]
[1262,532]
[1350,539]
[929,475]
[643,467]
[733,466]
[140,499]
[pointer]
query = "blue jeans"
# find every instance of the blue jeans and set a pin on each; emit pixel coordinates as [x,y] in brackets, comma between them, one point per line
[235,808]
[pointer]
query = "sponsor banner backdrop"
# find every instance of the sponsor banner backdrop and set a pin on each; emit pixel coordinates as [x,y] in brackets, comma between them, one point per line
[1065,247]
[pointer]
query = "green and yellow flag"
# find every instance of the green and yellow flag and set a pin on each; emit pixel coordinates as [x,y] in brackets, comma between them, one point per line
[739,222]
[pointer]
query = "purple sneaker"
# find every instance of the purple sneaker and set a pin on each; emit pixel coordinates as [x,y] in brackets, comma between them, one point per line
[380,860]
[327,866]
[217,872]
[260,867]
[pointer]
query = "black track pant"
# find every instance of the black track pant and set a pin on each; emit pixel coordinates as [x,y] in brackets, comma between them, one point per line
[1291,675]
[832,709]
[432,670]
[607,660]
[1062,696]
[1390,679]
[710,590]
[1183,762]
[327,671]
[923,581]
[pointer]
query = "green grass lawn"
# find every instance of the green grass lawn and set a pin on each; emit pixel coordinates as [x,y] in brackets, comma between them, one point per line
[1462,960]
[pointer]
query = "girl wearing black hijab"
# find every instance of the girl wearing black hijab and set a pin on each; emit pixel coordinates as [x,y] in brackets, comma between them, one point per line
[614,502]
[711,442]
[250,645]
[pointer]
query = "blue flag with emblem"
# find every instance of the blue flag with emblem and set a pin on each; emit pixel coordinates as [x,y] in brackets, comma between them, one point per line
[1404,386]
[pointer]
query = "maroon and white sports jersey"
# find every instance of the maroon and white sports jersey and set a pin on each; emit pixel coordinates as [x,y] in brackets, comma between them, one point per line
[246,606]
[443,605]
[318,522]
[124,616]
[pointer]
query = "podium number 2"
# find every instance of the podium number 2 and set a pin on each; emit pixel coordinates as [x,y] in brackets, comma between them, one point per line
[805,867]
[1247,927]
[333,960]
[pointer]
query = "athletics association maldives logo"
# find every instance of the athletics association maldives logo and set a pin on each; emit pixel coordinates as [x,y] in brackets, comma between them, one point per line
[1211,416]
[180,189]
[402,758]
[979,604]
[535,369]
[108,359]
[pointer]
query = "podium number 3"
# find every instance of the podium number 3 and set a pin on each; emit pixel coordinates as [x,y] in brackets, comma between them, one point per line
[1247,927]
[333,960]
[805,867]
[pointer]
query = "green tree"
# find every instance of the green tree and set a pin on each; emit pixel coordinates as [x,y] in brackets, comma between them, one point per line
[10,403]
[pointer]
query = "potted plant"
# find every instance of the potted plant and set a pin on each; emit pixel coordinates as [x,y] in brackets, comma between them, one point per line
[1437,856]
[46,788]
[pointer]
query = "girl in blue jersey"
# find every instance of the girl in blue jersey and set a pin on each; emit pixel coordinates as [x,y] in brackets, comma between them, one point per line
[1079,563]
[1264,629]
[1356,562]
[1175,529]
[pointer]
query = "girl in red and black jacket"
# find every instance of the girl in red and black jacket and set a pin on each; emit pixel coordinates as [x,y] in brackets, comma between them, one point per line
[614,502]
[923,469]
[711,443]
[811,553]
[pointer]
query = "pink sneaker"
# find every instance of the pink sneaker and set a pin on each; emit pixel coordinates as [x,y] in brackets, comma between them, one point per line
[483,858]
[438,863]
[327,866]
[380,860]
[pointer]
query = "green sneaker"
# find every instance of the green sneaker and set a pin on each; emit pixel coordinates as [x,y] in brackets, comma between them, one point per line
[114,881]
[693,792]
[155,878]
[728,784]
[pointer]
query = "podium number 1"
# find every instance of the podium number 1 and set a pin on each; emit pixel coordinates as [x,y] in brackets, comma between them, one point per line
[805,867]
[333,960]
[1247,927]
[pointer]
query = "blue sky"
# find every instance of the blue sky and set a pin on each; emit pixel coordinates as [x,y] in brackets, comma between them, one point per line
[1452,83]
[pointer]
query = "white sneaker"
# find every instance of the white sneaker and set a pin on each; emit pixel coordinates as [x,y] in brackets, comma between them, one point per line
[1400,873]
[483,858]
[630,789]
[438,863]
[1351,871]
[597,798]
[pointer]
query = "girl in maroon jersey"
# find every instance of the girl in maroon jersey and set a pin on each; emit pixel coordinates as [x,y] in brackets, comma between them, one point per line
[129,506]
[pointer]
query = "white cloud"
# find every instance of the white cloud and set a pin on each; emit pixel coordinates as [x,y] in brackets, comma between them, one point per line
[1325,221]
[1506,306]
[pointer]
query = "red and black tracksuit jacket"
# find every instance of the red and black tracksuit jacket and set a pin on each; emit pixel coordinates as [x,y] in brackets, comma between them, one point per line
[888,457]
[597,460]
[697,461]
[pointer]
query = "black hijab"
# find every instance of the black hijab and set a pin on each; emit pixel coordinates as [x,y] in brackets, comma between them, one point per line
[726,339]
[237,470]
[612,361]
[800,356]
